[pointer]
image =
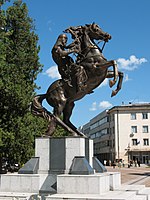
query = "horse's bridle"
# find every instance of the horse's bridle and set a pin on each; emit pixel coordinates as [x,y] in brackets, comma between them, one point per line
[103,37]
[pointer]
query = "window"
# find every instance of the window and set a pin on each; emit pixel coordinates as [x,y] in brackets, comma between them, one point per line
[145,142]
[134,141]
[145,129]
[92,136]
[98,123]
[113,117]
[94,125]
[113,130]
[133,116]
[133,129]
[101,133]
[113,143]
[144,115]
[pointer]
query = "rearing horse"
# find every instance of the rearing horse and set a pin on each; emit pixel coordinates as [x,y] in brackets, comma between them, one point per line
[62,97]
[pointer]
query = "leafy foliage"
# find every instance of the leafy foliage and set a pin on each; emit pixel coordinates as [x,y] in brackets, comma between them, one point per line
[19,67]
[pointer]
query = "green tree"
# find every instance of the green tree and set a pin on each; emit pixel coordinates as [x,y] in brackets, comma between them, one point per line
[19,67]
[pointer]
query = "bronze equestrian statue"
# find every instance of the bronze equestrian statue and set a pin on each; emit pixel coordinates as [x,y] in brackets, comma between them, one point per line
[78,78]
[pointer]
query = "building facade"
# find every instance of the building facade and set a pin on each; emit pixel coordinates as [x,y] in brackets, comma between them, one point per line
[121,133]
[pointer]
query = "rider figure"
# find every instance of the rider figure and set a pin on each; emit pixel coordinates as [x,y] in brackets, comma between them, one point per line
[69,71]
[61,58]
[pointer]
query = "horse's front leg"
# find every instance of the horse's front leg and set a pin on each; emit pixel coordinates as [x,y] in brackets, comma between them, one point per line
[115,76]
[110,74]
[105,66]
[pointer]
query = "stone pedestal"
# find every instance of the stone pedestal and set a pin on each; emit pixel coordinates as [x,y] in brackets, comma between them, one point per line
[56,154]
[63,165]
[53,156]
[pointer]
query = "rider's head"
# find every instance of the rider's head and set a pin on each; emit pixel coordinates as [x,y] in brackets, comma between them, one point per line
[63,38]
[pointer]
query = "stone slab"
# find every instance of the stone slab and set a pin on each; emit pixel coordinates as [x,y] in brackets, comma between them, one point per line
[42,150]
[22,183]
[83,184]
[50,185]
[136,188]
[111,195]
[115,180]
[18,196]
[80,166]
[145,191]
[98,166]
[31,167]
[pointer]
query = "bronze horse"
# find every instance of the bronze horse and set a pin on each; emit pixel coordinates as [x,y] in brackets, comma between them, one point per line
[62,97]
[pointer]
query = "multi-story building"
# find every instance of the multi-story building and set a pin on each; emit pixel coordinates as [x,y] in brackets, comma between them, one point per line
[122,132]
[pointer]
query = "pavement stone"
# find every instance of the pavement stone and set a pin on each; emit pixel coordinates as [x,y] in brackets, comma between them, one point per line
[133,175]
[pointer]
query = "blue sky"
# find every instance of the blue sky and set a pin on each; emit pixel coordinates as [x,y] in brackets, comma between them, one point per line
[128,23]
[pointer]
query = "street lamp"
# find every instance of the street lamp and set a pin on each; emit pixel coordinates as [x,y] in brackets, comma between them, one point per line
[128,150]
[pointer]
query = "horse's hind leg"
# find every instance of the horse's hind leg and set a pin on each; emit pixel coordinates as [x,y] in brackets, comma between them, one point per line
[66,117]
[57,112]
[67,114]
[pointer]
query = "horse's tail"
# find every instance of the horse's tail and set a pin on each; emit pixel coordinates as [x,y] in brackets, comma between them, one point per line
[37,108]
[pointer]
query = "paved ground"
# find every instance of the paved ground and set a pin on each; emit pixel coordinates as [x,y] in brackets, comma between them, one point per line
[133,175]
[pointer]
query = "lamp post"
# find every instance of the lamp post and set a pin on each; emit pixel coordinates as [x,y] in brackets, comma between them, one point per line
[128,150]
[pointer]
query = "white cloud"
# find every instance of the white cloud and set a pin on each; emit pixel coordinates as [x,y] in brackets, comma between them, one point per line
[93,107]
[126,78]
[53,72]
[130,64]
[104,105]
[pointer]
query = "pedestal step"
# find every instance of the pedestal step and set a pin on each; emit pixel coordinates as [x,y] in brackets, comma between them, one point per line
[97,183]
[136,188]
[84,184]
[23,183]
[26,183]
[112,195]
[145,191]
[18,196]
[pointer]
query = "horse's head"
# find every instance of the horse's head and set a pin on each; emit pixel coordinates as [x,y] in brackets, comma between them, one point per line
[95,32]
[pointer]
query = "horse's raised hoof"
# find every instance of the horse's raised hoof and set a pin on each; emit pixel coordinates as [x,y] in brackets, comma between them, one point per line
[113,93]
[111,83]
